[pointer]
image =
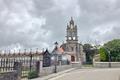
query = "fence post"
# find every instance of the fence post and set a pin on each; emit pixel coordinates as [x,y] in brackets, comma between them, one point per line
[18,67]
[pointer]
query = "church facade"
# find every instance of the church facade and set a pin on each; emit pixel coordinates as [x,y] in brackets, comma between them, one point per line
[72,46]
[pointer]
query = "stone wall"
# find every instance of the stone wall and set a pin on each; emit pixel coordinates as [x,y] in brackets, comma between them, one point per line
[76,64]
[12,75]
[49,70]
[106,64]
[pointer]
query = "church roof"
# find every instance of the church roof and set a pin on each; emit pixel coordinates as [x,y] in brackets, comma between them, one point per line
[59,50]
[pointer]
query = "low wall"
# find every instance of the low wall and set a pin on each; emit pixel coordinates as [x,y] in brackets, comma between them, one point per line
[76,64]
[49,70]
[64,67]
[106,64]
[9,76]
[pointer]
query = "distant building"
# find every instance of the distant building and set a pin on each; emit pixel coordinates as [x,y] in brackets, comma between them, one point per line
[72,46]
[46,59]
[60,56]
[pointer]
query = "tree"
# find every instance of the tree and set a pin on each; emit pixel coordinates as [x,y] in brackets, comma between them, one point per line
[103,54]
[90,52]
[113,47]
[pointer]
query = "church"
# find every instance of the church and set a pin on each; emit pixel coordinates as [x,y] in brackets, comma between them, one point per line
[72,46]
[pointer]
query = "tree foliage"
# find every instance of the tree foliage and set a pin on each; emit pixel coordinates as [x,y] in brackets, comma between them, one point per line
[90,52]
[114,48]
[103,54]
[113,45]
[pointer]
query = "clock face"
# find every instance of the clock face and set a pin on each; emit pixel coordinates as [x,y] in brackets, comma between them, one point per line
[69,38]
[73,38]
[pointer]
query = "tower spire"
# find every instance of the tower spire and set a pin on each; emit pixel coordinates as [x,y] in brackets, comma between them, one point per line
[71,18]
[71,32]
[72,21]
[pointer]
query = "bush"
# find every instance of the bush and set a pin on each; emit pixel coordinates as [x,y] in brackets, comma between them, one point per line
[32,74]
[103,54]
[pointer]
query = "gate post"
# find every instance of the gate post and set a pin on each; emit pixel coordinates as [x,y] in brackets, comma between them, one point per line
[18,67]
[37,67]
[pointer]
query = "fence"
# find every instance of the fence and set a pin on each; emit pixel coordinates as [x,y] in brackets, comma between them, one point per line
[28,60]
[14,74]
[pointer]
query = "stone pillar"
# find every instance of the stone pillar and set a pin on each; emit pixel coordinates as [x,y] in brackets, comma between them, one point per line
[41,65]
[18,68]
[60,62]
[38,67]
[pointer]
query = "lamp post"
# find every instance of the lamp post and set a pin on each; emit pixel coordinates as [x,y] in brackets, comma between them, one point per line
[55,58]
[109,57]
[30,59]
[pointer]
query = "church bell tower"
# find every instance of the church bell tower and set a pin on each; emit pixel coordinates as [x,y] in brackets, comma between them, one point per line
[72,40]
[71,32]
[72,46]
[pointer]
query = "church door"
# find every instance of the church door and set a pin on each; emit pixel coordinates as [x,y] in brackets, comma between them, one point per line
[72,58]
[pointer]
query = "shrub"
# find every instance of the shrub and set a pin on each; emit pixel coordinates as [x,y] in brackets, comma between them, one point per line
[103,54]
[32,74]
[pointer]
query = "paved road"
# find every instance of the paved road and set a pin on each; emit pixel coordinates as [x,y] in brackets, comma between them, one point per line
[91,74]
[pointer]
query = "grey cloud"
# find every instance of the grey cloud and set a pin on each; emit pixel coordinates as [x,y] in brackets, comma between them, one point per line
[39,23]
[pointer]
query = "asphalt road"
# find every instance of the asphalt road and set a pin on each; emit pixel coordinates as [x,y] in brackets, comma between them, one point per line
[91,74]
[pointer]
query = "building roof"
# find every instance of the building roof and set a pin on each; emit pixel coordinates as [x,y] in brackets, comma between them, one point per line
[59,50]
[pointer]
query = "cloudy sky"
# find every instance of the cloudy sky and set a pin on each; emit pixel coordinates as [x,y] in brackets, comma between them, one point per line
[39,23]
